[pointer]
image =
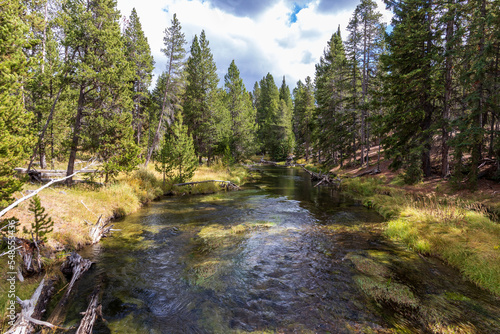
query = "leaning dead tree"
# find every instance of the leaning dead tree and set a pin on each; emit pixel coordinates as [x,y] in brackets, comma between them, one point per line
[228,185]
[326,179]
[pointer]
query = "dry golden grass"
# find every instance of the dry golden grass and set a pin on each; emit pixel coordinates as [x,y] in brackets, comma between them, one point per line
[73,208]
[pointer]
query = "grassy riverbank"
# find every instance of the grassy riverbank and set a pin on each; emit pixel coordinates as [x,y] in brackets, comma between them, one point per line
[461,229]
[74,208]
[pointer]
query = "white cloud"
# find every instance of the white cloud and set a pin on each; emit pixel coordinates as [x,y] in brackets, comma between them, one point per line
[260,44]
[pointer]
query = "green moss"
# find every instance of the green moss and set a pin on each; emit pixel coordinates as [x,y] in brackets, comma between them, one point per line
[387,291]
[461,232]
[368,266]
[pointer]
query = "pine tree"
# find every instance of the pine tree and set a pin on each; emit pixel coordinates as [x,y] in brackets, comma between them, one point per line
[92,33]
[242,115]
[201,98]
[479,78]
[286,119]
[176,158]
[332,92]
[43,223]
[304,110]
[15,136]
[111,139]
[174,42]
[36,99]
[138,54]
[365,33]
[411,87]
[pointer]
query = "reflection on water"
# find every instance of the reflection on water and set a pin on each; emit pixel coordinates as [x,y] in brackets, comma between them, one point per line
[278,257]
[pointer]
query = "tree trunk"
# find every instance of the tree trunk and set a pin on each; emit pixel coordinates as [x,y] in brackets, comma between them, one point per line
[364,84]
[478,117]
[76,135]
[163,108]
[445,165]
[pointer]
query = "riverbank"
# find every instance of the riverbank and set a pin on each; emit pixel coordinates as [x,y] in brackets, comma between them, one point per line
[74,209]
[434,219]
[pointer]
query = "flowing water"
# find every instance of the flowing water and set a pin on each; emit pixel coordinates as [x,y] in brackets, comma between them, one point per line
[280,256]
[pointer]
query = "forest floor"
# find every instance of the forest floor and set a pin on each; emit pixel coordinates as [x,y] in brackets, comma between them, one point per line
[436,218]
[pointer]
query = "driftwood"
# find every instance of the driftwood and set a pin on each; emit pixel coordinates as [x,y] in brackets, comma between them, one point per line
[19,201]
[99,230]
[74,265]
[26,319]
[327,178]
[93,311]
[224,184]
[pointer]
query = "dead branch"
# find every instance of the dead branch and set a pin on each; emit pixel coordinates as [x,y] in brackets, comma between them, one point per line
[262,161]
[19,201]
[10,251]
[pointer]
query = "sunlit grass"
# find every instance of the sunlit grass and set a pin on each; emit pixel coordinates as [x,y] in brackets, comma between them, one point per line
[458,231]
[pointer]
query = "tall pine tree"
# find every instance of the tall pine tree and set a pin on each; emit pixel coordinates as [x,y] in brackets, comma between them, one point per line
[92,34]
[304,110]
[14,120]
[332,91]
[242,114]
[412,87]
[138,54]
[174,80]
[201,98]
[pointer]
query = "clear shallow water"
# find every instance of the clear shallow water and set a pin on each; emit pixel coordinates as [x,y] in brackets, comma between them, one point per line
[277,257]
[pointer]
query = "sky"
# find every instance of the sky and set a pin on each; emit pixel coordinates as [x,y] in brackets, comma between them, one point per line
[281,37]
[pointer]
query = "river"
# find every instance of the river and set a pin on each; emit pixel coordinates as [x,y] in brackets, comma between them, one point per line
[279,256]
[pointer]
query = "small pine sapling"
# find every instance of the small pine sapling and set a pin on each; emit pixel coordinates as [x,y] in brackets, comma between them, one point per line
[42,225]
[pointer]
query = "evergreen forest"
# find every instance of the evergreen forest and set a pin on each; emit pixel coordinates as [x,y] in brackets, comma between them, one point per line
[422,91]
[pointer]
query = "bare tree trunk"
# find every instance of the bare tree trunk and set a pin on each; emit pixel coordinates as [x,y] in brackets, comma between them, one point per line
[445,165]
[76,135]
[478,119]
[163,108]
[491,153]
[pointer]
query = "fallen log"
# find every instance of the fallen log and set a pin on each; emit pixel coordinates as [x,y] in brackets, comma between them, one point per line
[94,310]
[262,161]
[75,266]
[55,171]
[327,178]
[369,172]
[19,201]
[225,184]
[26,321]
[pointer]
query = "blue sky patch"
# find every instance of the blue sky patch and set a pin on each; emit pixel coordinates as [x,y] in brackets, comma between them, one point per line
[295,10]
